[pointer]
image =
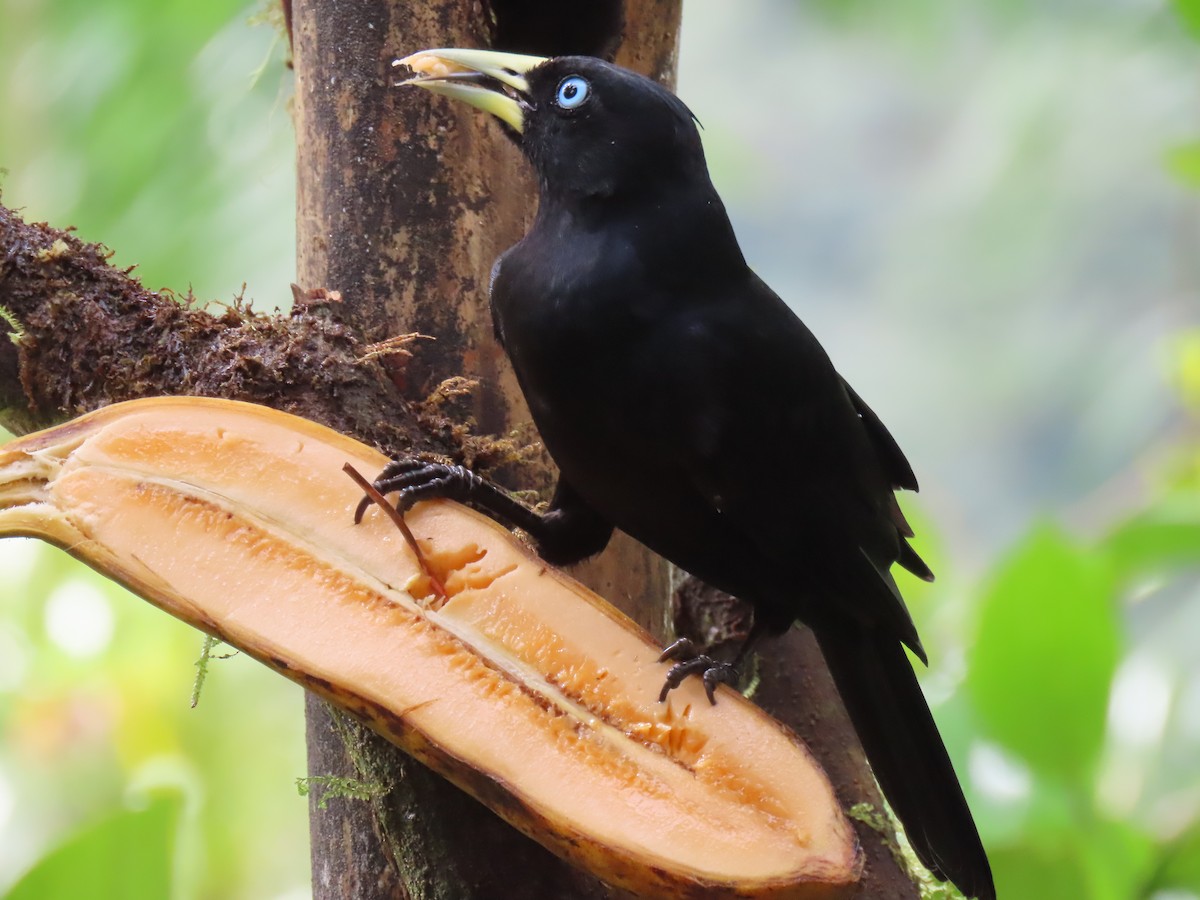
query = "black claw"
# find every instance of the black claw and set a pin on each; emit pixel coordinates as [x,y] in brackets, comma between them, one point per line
[711,671]
[680,649]
[416,479]
[720,673]
[675,677]
[405,464]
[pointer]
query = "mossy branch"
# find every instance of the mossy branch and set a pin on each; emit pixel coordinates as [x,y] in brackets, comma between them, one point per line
[88,334]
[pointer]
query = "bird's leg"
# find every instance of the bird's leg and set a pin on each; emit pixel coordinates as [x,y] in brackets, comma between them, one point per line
[711,671]
[567,532]
[415,480]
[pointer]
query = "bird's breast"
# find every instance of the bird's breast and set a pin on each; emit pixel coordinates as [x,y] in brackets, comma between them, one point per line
[576,315]
[569,306]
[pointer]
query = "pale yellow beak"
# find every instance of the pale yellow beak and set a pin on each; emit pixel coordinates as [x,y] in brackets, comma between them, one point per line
[454,73]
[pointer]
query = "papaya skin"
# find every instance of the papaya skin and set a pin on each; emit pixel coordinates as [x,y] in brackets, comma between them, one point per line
[519,685]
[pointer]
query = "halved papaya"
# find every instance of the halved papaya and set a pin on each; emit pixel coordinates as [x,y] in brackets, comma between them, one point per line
[519,684]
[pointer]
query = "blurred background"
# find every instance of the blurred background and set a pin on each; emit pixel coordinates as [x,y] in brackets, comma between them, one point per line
[988,214]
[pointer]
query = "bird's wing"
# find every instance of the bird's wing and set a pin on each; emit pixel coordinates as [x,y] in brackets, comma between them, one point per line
[786,453]
[892,458]
[899,473]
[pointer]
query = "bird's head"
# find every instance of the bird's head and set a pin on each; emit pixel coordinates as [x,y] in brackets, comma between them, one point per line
[588,127]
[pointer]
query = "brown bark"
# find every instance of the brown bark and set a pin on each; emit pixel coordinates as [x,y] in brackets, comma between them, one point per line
[403,204]
[83,334]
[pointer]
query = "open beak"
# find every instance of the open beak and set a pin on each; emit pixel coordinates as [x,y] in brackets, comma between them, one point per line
[486,79]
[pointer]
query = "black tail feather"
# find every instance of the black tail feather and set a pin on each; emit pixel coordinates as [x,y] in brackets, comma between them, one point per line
[906,753]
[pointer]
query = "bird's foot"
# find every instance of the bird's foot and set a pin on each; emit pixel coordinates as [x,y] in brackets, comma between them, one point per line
[691,662]
[416,479]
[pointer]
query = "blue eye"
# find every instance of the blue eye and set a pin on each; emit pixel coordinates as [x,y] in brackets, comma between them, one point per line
[572,92]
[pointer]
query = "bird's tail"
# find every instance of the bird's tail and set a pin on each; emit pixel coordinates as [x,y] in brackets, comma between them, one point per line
[906,753]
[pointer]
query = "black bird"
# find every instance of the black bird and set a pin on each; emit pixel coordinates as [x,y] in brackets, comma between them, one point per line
[687,405]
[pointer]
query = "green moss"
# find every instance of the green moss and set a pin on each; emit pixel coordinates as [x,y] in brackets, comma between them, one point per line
[201,664]
[334,786]
[17,332]
[880,821]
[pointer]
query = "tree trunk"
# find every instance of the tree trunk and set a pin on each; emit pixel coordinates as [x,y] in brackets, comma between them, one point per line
[404,202]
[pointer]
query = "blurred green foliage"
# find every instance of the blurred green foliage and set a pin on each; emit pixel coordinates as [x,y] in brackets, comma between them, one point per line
[1183,161]
[1047,595]
[133,120]
[128,854]
[1189,12]
[162,130]
[984,211]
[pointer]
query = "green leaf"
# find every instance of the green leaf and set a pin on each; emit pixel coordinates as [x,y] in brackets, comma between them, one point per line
[1185,366]
[1099,860]
[1038,871]
[127,855]
[1165,536]
[1183,161]
[1189,12]
[1118,858]
[1180,869]
[1044,656]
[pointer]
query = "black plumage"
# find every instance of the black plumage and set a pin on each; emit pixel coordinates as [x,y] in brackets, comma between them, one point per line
[687,405]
